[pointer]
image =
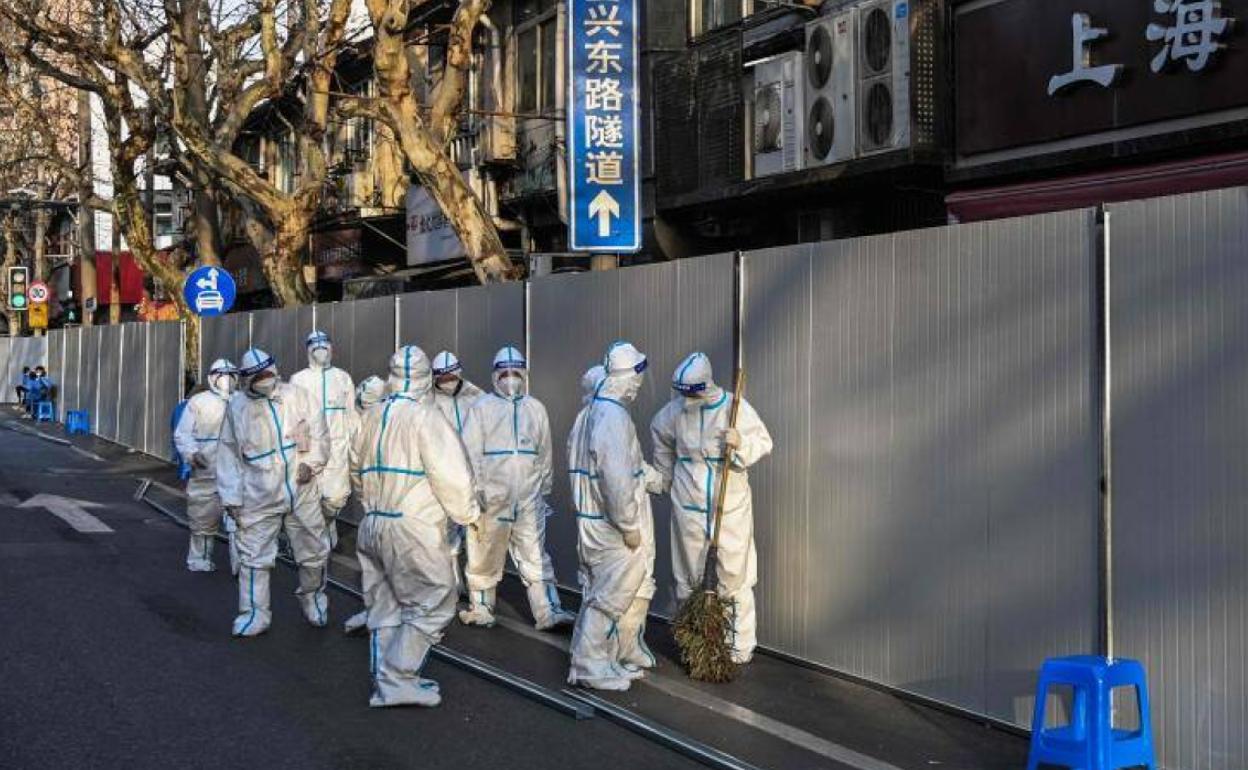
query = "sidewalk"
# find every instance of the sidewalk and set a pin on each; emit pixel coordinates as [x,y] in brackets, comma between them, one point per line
[776,715]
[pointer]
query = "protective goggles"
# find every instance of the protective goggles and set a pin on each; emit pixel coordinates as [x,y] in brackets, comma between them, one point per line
[452,369]
[692,389]
[519,365]
[318,341]
[258,367]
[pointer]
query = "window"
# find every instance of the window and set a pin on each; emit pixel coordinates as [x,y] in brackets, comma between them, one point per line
[708,15]
[537,45]
[164,219]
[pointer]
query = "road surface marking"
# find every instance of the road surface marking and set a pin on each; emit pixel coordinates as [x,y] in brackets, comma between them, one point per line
[71,511]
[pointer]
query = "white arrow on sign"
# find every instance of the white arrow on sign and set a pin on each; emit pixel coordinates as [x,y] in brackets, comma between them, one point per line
[604,207]
[71,511]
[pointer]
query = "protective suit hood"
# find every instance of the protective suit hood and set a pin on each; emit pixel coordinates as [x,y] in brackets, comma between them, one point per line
[254,362]
[369,392]
[694,381]
[624,365]
[320,350]
[445,363]
[410,372]
[510,359]
[590,381]
[222,377]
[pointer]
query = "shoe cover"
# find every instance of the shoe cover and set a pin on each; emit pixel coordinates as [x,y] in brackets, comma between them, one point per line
[253,603]
[199,554]
[357,624]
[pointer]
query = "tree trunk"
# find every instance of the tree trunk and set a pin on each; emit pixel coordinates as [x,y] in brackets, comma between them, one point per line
[283,260]
[114,275]
[10,259]
[86,216]
[388,162]
[205,225]
[461,206]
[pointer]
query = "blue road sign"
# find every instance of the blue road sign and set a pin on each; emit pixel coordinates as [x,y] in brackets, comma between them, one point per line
[604,174]
[209,291]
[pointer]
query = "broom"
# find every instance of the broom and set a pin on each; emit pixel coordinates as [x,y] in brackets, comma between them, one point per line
[704,621]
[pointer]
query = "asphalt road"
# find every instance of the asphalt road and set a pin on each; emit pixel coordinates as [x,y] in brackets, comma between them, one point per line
[113,655]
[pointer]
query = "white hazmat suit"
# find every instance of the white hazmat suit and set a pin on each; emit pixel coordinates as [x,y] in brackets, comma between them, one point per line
[689,441]
[508,439]
[411,474]
[196,437]
[273,443]
[334,391]
[453,394]
[369,395]
[615,531]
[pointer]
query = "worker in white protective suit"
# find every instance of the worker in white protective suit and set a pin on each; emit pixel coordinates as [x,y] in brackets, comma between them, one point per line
[508,439]
[274,442]
[453,394]
[333,389]
[691,434]
[195,437]
[369,395]
[615,531]
[411,474]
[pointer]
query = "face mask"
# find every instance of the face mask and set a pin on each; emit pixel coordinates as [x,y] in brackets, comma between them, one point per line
[450,386]
[263,387]
[224,384]
[320,356]
[511,386]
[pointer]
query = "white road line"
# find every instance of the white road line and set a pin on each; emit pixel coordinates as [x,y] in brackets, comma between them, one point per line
[677,689]
[71,511]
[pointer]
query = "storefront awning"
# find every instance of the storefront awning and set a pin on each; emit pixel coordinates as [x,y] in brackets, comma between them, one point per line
[1071,192]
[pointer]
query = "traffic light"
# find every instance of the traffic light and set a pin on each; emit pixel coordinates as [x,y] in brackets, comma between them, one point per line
[18,287]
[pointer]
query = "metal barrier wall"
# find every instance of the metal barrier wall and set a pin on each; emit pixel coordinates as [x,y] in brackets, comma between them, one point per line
[1179,341]
[928,519]
[16,352]
[134,353]
[667,311]
[112,364]
[472,322]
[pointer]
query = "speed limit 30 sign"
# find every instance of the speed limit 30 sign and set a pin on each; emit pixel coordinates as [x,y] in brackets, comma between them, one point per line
[38,292]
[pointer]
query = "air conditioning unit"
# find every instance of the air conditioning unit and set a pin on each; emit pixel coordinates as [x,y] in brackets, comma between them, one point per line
[884,76]
[829,120]
[778,109]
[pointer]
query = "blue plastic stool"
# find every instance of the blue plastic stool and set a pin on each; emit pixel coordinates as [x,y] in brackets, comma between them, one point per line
[1090,742]
[44,411]
[78,421]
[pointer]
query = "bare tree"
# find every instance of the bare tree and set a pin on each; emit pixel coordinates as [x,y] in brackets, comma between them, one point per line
[424,131]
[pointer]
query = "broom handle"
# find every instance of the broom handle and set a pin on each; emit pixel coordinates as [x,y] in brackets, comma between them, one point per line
[726,460]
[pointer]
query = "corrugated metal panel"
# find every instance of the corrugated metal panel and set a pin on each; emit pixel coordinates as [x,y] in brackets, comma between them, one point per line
[372,342]
[7,368]
[164,379]
[89,375]
[110,381]
[1180,374]
[223,337]
[428,319]
[277,333]
[70,390]
[56,369]
[641,304]
[928,518]
[487,318]
[134,386]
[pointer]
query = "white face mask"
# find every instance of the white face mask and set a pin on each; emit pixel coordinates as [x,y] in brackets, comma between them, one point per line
[511,386]
[448,387]
[263,387]
[321,356]
[224,384]
[632,386]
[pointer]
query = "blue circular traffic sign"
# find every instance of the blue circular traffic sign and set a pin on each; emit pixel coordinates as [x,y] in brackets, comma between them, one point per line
[209,291]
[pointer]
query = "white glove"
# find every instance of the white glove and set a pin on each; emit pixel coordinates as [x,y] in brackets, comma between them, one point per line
[303,474]
[730,438]
[632,539]
[655,483]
